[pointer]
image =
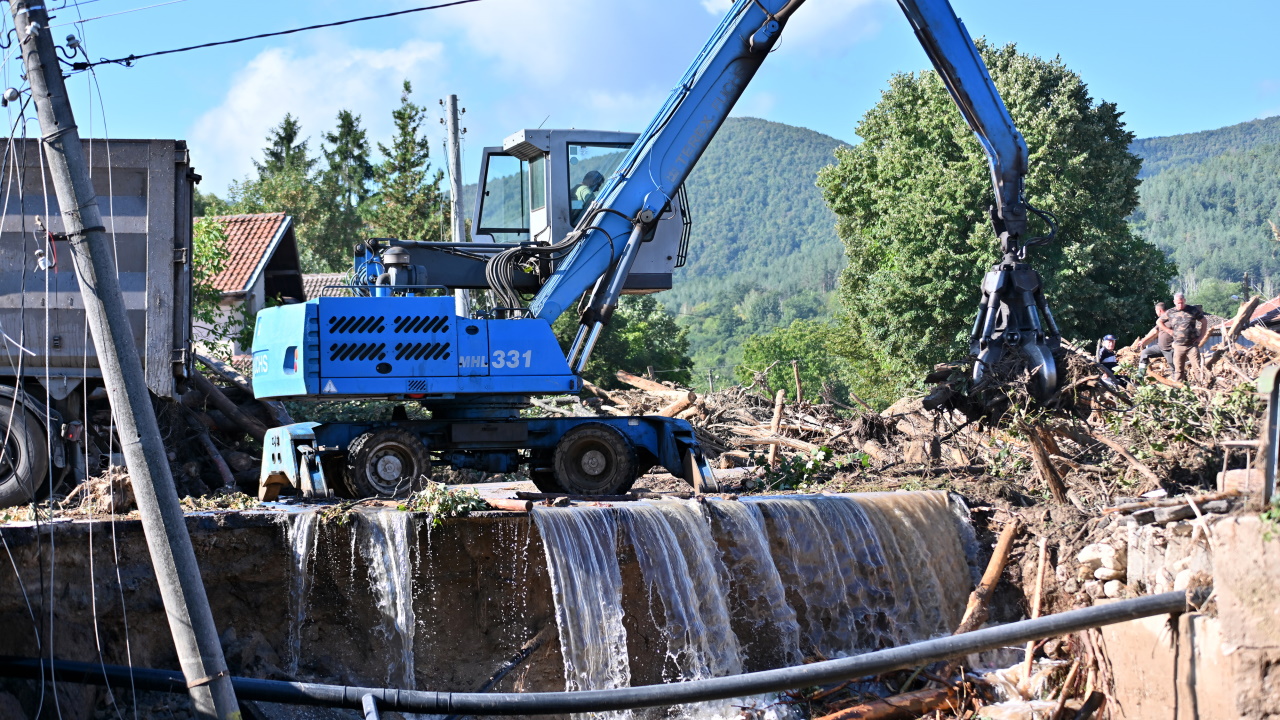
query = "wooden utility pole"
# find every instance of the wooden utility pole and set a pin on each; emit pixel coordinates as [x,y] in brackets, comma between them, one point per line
[194,634]
[461,298]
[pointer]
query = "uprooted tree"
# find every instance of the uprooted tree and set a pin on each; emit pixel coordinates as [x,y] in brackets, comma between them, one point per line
[910,202]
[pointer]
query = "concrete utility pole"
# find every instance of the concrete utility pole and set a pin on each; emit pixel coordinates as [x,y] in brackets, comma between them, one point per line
[461,298]
[190,620]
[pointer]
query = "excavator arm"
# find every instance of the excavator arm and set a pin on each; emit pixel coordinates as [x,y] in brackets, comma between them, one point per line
[597,255]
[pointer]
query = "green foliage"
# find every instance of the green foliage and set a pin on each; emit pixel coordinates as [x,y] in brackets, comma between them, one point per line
[442,502]
[805,341]
[407,203]
[1177,151]
[344,183]
[719,326]
[1215,217]
[1162,415]
[796,471]
[911,199]
[1218,297]
[285,151]
[209,258]
[641,335]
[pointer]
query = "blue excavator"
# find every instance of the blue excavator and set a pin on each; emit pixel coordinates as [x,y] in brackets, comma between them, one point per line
[578,218]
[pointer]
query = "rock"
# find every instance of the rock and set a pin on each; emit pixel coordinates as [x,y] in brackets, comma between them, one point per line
[1092,555]
[1107,574]
[240,461]
[1113,589]
[1093,589]
[1217,506]
[1182,580]
[1170,514]
[921,452]
[1071,587]
[1180,529]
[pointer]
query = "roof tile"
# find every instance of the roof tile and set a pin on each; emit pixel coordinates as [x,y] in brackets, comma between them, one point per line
[248,238]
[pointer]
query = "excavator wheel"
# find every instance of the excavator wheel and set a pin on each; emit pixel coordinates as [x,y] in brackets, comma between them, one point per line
[595,459]
[387,462]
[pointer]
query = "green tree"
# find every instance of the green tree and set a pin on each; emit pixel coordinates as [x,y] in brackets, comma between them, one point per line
[910,203]
[1219,297]
[285,150]
[804,341]
[343,188]
[641,335]
[407,203]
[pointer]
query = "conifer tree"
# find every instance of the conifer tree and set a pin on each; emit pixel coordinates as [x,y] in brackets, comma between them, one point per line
[407,202]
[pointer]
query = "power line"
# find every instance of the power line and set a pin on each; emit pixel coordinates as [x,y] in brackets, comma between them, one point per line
[122,12]
[128,61]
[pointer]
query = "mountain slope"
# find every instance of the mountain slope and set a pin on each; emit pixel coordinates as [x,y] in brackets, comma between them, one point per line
[1214,217]
[758,216]
[1163,153]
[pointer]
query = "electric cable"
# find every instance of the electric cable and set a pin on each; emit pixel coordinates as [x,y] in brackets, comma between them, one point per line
[129,60]
[122,12]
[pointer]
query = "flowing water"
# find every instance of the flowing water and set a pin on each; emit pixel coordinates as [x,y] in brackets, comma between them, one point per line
[582,561]
[734,586]
[388,542]
[302,541]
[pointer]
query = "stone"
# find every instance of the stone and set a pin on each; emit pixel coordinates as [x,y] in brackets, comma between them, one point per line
[1216,506]
[1170,514]
[1182,580]
[1113,589]
[1093,589]
[1106,574]
[1092,555]
[1180,529]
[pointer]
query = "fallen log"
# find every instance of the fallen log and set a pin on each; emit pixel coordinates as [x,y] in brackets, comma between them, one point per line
[1066,690]
[211,450]
[676,407]
[900,707]
[654,388]
[275,408]
[774,426]
[232,411]
[1044,465]
[975,612]
[1082,438]
[1232,328]
[1171,502]
[1264,337]
[1035,605]
[509,504]
[599,392]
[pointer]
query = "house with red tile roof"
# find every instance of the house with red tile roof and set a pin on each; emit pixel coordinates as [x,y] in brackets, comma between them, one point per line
[263,263]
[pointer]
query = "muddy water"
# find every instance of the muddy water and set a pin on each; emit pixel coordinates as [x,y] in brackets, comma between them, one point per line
[732,585]
[641,592]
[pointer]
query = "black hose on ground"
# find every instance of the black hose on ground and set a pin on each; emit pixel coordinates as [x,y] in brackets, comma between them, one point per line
[442,703]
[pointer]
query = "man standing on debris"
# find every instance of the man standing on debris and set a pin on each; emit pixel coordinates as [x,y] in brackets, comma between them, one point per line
[1188,326]
[1163,346]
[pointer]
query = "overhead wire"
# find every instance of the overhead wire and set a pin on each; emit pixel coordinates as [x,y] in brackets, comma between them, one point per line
[130,59]
[107,15]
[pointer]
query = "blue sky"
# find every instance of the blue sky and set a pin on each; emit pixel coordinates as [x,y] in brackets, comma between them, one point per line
[1171,66]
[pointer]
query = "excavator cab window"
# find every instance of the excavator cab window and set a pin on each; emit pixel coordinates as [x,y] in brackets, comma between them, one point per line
[589,167]
[504,203]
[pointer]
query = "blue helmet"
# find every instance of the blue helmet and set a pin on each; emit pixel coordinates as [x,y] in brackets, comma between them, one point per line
[1108,337]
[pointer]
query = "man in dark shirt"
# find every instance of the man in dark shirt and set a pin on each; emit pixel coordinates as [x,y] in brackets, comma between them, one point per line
[1188,327]
[1161,347]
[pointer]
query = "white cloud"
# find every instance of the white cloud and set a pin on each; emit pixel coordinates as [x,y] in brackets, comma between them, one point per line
[313,85]
[831,26]
[717,7]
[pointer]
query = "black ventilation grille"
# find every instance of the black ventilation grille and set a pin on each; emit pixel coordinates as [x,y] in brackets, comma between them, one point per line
[352,324]
[357,351]
[422,351]
[422,323]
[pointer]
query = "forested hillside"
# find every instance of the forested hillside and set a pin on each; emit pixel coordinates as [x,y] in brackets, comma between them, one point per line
[1164,153]
[1214,217]
[1211,201]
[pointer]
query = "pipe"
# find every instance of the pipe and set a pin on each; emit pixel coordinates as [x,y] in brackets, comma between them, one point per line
[444,703]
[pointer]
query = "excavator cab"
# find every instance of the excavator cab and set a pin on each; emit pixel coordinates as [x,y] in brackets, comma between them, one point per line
[535,187]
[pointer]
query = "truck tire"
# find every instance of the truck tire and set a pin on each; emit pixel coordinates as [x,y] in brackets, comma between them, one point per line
[24,459]
[595,459]
[388,462]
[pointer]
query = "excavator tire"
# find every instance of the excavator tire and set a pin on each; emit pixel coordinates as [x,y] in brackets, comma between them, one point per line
[595,459]
[387,462]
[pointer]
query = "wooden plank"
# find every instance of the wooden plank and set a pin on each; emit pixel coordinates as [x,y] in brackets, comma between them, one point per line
[1232,328]
[158,349]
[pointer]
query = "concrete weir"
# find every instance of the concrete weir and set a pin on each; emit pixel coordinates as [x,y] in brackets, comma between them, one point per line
[639,593]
